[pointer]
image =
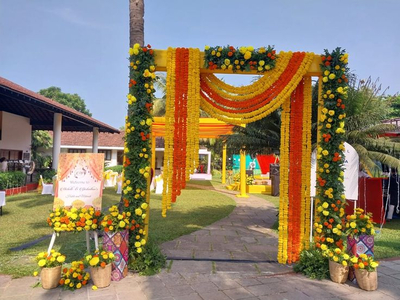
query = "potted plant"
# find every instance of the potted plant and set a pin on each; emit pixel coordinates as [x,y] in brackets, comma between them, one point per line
[50,265]
[100,262]
[116,239]
[365,271]
[360,228]
[74,277]
[338,264]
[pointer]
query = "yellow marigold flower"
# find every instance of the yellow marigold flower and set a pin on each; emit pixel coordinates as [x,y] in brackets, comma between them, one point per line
[227,62]
[236,62]
[35,273]
[42,263]
[67,281]
[325,205]
[361,265]
[144,205]
[94,288]
[267,67]
[247,55]
[143,242]
[346,256]
[149,122]
[213,52]
[122,224]
[374,264]
[135,51]
[325,152]
[325,79]
[136,46]
[335,258]
[139,250]
[130,51]
[332,76]
[353,225]
[325,212]
[324,247]
[61,258]
[218,54]
[207,47]
[344,263]
[138,211]
[261,62]
[138,244]
[326,72]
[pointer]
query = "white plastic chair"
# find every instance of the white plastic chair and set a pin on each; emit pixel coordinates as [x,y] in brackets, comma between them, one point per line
[47,187]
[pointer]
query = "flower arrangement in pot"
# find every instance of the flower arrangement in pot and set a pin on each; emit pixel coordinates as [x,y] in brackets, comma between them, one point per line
[116,227]
[74,277]
[339,262]
[366,271]
[50,265]
[100,262]
[359,224]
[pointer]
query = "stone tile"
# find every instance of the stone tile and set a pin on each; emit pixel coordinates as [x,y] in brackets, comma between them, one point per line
[171,279]
[23,281]
[269,289]
[180,266]
[247,281]
[214,296]
[155,292]
[274,268]
[193,278]
[210,239]
[239,293]
[77,294]
[212,254]
[189,297]
[204,286]
[173,253]
[116,297]
[109,290]
[180,290]
[224,233]
[40,293]
[22,291]
[228,247]
[195,246]
[235,267]
[128,295]
[225,283]
[201,232]
[4,280]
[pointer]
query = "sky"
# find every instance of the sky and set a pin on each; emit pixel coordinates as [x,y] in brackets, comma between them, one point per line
[82,46]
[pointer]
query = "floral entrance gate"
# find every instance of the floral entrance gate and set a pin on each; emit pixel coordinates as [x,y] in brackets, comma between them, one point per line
[286,83]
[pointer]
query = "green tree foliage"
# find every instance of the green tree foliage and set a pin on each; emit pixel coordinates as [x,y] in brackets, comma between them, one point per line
[40,139]
[395,112]
[260,137]
[72,100]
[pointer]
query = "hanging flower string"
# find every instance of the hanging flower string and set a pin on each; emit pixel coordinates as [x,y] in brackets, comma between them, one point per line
[182,122]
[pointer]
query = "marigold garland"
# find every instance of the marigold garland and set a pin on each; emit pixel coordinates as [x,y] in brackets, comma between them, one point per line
[209,103]
[137,149]
[330,200]
[182,121]
[240,59]
[284,186]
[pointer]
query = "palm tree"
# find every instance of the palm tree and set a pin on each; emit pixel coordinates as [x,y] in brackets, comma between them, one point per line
[136,22]
[262,136]
[366,108]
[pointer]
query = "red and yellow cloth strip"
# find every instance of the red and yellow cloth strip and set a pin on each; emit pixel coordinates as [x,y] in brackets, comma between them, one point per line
[295,182]
[239,106]
[181,121]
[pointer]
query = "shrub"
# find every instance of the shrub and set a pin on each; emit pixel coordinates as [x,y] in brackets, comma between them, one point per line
[313,264]
[149,262]
[47,175]
[12,179]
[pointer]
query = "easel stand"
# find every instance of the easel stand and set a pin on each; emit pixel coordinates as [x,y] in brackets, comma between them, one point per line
[96,241]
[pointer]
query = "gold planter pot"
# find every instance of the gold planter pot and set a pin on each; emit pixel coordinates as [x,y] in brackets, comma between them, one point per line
[338,272]
[367,280]
[101,276]
[50,277]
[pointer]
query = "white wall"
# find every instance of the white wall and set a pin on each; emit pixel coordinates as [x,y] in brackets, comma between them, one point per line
[16,133]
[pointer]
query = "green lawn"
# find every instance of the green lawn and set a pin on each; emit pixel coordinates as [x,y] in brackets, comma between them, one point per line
[24,220]
[387,242]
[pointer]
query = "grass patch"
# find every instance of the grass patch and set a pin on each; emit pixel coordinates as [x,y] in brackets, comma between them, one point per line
[215,182]
[24,220]
[387,243]
[193,210]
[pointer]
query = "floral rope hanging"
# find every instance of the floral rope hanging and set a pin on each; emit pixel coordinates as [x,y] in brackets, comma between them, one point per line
[137,149]
[330,198]
[181,121]
[261,105]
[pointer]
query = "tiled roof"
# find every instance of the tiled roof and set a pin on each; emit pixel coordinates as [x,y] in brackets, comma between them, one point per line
[69,138]
[40,110]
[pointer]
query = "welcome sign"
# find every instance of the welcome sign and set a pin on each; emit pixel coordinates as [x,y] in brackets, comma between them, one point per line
[79,180]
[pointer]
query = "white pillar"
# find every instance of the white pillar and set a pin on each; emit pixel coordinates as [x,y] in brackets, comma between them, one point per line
[209,164]
[95,144]
[56,139]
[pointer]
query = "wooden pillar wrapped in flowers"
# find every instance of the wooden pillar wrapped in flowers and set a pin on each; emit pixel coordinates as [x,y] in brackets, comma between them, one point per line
[116,239]
[360,235]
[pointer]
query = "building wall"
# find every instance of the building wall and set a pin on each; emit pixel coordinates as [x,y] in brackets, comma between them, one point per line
[16,133]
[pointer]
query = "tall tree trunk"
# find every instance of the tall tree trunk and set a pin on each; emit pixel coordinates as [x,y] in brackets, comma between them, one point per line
[136,22]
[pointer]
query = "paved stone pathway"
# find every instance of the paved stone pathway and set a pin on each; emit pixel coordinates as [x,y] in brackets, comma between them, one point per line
[230,259]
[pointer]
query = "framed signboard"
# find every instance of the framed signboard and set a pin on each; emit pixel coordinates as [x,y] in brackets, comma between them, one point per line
[79,180]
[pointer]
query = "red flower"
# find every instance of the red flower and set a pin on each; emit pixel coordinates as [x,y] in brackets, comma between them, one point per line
[144,49]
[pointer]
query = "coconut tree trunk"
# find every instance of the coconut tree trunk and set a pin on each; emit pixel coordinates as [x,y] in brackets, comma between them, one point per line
[136,22]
